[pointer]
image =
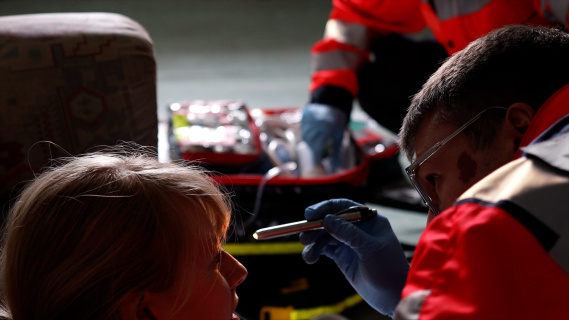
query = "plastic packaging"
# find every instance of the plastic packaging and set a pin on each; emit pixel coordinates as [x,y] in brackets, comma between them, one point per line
[306,161]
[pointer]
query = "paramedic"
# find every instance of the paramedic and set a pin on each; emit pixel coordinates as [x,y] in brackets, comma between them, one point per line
[500,251]
[382,52]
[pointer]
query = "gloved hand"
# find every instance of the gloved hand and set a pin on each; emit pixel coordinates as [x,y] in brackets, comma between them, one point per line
[323,126]
[367,252]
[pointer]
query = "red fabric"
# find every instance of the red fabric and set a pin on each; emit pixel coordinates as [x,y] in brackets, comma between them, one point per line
[331,45]
[481,263]
[409,16]
[401,16]
[384,16]
[457,32]
[342,78]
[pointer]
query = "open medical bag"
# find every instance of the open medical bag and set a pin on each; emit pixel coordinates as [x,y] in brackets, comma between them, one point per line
[258,156]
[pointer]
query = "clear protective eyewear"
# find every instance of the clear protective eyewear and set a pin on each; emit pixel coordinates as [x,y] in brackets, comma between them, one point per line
[412,169]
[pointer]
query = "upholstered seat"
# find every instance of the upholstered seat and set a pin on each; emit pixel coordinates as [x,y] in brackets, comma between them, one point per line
[79,80]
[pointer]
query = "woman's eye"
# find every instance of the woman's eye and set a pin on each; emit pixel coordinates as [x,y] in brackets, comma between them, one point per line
[217,259]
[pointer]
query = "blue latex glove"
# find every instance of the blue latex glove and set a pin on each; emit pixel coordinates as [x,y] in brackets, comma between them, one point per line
[323,127]
[367,252]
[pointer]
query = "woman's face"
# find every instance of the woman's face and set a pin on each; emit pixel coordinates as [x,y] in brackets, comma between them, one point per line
[217,274]
[213,295]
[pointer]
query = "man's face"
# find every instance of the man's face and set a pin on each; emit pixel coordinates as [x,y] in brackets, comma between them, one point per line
[456,166]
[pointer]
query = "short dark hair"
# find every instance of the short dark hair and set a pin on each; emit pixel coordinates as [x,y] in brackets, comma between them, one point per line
[512,64]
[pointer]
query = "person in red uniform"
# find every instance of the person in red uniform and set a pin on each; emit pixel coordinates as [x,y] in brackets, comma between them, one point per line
[379,52]
[489,138]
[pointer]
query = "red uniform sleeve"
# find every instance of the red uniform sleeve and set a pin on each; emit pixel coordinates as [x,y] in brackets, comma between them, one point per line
[351,27]
[480,263]
[384,16]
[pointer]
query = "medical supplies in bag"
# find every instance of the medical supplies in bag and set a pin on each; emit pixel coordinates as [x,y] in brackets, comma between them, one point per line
[259,157]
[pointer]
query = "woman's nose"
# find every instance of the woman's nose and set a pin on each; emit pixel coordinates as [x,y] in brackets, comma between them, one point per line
[232,270]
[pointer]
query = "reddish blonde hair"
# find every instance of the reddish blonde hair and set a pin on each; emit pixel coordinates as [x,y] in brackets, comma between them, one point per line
[85,234]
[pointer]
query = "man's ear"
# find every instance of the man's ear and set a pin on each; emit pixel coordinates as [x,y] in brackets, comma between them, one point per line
[519,116]
[136,307]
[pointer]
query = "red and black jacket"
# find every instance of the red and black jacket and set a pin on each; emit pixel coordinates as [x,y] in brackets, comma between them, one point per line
[502,251]
[353,26]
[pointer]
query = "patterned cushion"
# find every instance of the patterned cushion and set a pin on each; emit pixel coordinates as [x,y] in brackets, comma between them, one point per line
[79,80]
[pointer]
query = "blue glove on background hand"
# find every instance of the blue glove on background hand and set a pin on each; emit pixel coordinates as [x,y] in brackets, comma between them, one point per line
[367,252]
[321,125]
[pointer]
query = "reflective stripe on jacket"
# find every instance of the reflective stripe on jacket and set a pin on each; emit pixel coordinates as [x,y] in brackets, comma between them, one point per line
[354,24]
[502,251]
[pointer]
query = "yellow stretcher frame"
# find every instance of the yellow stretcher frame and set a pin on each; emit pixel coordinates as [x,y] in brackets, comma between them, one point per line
[287,313]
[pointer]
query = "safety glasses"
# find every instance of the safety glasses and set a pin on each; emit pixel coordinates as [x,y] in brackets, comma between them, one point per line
[412,169]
